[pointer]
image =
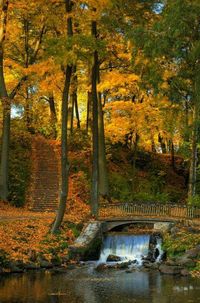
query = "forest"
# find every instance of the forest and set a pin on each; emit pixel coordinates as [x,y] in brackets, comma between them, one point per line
[100,103]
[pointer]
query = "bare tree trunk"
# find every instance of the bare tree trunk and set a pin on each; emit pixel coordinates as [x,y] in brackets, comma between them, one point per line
[95,166]
[64,145]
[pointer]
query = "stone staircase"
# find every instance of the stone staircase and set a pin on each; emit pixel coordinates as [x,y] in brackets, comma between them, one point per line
[43,193]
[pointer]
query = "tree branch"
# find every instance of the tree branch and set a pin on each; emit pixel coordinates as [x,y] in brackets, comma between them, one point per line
[17,87]
[37,45]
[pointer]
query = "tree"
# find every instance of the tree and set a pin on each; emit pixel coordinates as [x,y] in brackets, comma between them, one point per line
[172,43]
[95,134]
[64,144]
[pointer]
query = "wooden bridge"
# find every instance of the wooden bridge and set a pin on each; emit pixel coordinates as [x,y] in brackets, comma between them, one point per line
[146,211]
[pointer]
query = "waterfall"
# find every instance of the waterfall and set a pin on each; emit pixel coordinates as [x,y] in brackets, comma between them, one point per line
[159,248]
[127,247]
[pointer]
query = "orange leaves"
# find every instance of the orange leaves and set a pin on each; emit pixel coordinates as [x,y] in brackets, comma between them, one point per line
[115,79]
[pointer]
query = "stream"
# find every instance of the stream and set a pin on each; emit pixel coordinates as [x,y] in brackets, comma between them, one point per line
[85,285]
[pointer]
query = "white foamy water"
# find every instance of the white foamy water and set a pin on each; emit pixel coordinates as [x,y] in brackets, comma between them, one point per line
[127,247]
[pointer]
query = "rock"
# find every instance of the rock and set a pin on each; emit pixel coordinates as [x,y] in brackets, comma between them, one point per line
[65,259]
[170,262]
[174,231]
[101,267]
[19,263]
[123,265]
[185,272]
[16,270]
[130,270]
[113,258]
[31,266]
[58,270]
[71,266]
[13,267]
[193,253]
[56,261]
[162,226]
[151,265]
[185,262]
[170,270]
[193,230]
[45,264]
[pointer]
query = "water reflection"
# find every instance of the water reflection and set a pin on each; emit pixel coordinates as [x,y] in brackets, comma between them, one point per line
[85,285]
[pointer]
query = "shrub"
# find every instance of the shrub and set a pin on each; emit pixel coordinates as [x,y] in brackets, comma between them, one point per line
[120,187]
[19,167]
[194,201]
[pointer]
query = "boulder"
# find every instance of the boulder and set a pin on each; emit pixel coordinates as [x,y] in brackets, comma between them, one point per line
[123,265]
[151,265]
[45,264]
[16,270]
[31,266]
[56,262]
[101,267]
[170,270]
[193,253]
[113,258]
[185,272]
[185,262]
[12,267]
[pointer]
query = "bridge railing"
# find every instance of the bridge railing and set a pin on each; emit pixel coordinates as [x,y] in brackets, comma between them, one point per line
[130,209]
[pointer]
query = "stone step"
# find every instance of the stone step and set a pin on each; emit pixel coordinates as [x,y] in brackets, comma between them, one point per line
[44,184]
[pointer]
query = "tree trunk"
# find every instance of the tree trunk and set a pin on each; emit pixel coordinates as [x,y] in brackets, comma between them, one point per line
[75,98]
[153,146]
[74,102]
[162,144]
[6,102]
[95,166]
[103,173]
[171,145]
[27,110]
[5,135]
[64,153]
[89,103]
[186,134]
[70,115]
[76,109]
[193,160]
[53,115]
[135,147]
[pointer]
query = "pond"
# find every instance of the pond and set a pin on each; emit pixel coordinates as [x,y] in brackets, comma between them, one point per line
[85,285]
